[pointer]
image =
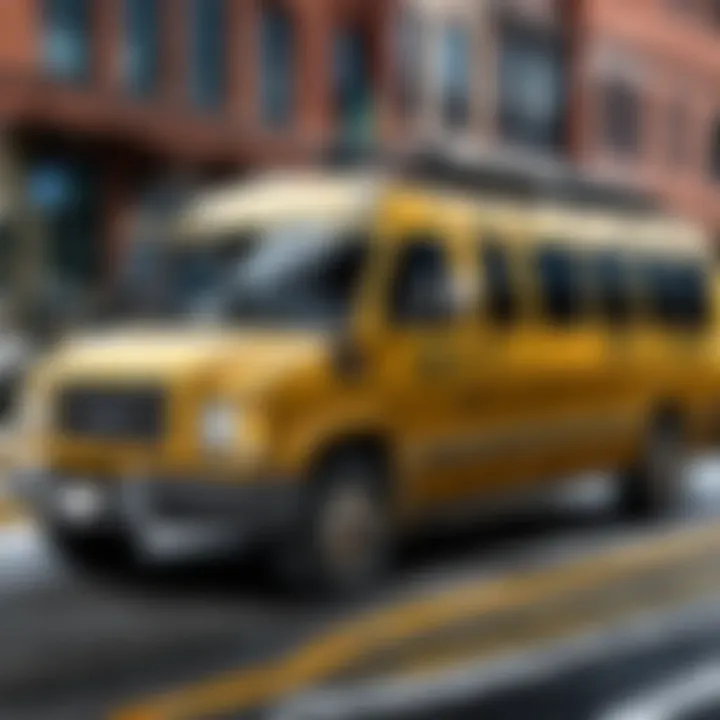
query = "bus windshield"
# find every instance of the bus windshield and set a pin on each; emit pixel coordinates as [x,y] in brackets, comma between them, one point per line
[166,279]
[295,277]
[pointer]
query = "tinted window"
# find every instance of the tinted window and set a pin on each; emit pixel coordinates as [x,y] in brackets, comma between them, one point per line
[609,278]
[658,281]
[690,295]
[501,302]
[421,290]
[294,277]
[559,294]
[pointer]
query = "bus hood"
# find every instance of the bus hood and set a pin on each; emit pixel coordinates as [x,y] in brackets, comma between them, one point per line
[164,355]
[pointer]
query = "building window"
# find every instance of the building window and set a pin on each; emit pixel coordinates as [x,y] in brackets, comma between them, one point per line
[209,53]
[456,60]
[409,41]
[353,86]
[677,134]
[276,67]
[67,38]
[532,89]
[621,118]
[66,191]
[142,42]
[715,151]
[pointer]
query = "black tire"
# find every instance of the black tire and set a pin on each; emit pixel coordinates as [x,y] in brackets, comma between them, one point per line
[102,553]
[653,489]
[342,546]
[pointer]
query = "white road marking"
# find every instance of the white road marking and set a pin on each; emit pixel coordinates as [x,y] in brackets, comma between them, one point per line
[473,682]
[25,558]
[691,692]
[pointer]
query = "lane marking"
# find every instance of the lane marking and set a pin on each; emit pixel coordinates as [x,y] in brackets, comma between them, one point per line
[504,632]
[691,692]
[476,680]
[11,512]
[338,649]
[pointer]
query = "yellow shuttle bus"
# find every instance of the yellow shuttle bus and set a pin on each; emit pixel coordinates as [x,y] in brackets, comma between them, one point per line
[392,348]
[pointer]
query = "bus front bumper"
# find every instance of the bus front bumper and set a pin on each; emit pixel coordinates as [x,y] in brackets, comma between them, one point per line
[262,507]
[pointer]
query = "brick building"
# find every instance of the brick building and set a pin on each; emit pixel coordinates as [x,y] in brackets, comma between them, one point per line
[625,88]
[104,98]
[647,98]
[487,73]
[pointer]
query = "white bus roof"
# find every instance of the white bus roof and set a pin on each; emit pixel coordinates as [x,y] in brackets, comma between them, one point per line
[277,199]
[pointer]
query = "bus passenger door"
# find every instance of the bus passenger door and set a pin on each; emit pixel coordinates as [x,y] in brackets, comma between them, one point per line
[425,367]
[502,381]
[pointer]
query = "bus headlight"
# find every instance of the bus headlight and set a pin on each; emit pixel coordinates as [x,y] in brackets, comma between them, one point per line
[220,426]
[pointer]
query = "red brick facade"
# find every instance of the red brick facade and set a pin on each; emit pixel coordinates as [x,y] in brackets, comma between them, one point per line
[135,139]
[670,53]
[168,123]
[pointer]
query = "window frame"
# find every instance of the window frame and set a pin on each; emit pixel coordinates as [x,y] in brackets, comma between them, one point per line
[539,128]
[621,135]
[55,16]
[714,150]
[209,91]
[144,82]
[456,46]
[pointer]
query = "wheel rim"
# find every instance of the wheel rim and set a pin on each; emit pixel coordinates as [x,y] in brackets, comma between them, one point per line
[350,532]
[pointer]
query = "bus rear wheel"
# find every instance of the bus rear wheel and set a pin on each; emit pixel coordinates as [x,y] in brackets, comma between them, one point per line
[653,488]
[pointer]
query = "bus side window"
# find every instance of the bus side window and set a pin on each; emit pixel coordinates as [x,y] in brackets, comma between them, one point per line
[421,292]
[609,278]
[692,296]
[501,304]
[560,295]
[659,288]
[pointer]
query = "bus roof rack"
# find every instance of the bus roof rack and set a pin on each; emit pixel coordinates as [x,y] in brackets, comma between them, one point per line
[504,173]
[545,181]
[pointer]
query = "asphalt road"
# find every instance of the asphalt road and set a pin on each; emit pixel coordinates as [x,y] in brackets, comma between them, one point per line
[675,678]
[75,647]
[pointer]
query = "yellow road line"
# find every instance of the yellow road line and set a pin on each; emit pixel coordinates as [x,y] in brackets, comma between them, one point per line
[338,649]
[563,626]
[11,512]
